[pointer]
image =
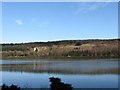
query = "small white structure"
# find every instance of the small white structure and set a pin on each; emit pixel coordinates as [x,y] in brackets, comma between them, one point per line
[35,49]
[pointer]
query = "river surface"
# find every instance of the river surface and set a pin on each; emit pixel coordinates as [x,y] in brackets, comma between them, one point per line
[99,73]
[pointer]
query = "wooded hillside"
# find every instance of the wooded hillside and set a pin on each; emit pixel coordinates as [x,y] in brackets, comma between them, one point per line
[65,49]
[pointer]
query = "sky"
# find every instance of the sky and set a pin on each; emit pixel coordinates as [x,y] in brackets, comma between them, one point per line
[52,21]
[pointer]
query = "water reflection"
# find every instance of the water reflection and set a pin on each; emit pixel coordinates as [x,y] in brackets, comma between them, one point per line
[65,67]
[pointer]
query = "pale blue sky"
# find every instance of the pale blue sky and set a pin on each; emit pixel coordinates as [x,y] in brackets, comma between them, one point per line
[30,22]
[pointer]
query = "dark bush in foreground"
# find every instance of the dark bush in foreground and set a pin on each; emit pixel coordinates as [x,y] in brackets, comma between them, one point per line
[56,84]
[12,87]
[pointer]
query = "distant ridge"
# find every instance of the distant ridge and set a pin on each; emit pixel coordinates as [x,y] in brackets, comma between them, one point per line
[62,41]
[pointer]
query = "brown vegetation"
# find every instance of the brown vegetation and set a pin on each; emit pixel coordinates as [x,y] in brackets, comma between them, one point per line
[70,48]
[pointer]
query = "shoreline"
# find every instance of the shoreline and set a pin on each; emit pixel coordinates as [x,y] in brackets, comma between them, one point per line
[61,58]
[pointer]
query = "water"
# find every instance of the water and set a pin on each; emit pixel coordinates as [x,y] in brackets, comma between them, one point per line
[80,73]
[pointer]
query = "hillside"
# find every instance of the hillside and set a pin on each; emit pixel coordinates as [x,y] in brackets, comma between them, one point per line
[63,49]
